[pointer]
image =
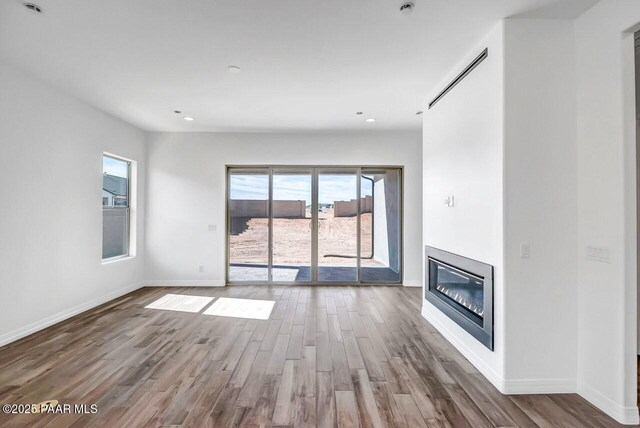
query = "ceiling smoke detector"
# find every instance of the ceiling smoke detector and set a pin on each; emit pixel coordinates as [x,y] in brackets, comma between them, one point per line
[234,69]
[406,8]
[33,7]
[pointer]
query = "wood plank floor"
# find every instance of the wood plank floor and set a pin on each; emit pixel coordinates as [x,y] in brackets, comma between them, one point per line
[328,356]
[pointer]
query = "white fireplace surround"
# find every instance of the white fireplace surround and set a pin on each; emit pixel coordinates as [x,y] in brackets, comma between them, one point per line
[549,171]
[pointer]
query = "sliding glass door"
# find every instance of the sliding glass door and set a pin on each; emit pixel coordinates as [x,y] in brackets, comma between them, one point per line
[292,225]
[329,225]
[248,225]
[338,225]
[380,225]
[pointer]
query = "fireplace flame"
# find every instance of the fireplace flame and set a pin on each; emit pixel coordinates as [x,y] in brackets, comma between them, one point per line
[460,299]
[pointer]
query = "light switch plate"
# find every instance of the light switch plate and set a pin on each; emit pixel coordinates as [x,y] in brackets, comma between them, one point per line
[525,250]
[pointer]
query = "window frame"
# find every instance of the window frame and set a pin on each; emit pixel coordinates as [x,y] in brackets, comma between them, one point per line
[127,209]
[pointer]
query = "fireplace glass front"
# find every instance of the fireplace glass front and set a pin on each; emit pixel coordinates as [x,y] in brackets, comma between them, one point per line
[464,291]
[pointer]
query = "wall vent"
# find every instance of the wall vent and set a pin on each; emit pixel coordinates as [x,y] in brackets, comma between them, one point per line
[460,76]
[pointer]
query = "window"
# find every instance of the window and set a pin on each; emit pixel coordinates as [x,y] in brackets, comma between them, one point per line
[116,207]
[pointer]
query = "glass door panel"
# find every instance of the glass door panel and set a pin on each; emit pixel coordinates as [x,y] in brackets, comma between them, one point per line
[380,226]
[292,232]
[337,226]
[248,211]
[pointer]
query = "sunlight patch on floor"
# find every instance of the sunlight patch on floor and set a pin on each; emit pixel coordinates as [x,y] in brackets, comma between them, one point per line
[241,308]
[180,302]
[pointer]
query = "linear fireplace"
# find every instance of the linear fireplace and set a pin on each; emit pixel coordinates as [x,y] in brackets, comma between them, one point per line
[462,289]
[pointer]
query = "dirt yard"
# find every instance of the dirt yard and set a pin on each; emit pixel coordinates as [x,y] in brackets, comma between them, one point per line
[292,240]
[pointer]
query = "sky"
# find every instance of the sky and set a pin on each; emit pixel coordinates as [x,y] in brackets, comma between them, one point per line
[331,188]
[114,167]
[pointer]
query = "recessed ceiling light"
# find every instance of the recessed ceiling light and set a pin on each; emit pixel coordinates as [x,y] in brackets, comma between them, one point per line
[358,113]
[177,111]
[370,120]
[189,118]
[419,112]
[34,7]
[233,69]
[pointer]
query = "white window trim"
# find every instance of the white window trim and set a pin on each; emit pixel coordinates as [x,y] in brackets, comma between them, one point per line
[133,209]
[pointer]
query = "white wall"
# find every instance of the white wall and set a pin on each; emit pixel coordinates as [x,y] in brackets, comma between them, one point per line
[540,206]
[606,206]
[509,160]
[463,151]
[51,222]
[562,322]
[186,191]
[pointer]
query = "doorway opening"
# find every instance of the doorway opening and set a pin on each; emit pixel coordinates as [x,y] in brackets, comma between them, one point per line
[314,225]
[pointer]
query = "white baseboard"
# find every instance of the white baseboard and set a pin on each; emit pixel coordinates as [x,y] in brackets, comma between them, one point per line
[19,333]
[538,386]
[505,386]
[624,415]
[459,344]
[185,283]
[412,283]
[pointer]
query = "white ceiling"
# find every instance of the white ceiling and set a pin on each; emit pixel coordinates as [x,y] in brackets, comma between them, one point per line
[306,64]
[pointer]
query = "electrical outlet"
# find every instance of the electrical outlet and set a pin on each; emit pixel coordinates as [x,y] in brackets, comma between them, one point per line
[597,254]
[525,250]
[449,201]
[201,268]
[212,228]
